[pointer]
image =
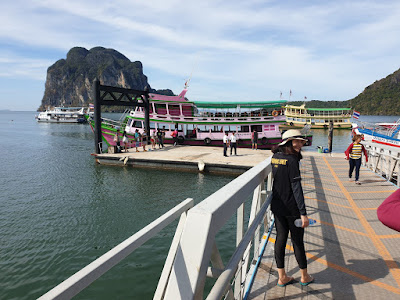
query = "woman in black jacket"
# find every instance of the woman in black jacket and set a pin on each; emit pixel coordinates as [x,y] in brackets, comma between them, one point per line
[288,204]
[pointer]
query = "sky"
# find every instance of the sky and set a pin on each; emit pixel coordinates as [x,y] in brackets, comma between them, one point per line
[232,50]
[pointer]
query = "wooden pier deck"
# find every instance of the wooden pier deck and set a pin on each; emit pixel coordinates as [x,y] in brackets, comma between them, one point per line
[350,253]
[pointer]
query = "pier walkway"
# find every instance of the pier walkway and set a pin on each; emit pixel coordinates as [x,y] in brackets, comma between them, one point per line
[350,253]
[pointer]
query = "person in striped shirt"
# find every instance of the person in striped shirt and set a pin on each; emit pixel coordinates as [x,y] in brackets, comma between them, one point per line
[353,155]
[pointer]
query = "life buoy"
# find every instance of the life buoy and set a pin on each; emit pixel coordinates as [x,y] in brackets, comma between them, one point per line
[275,113]
[207,141]
[264,140]
[181,139]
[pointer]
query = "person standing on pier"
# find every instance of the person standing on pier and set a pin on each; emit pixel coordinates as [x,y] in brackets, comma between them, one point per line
[117,141]
[125,141]
[174,135]
[137,139]
[160,138]
[254,139]
[225,140]
[353,155]
[232,140]
[288,205]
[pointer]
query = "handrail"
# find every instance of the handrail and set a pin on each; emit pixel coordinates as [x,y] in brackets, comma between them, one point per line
[223,281]
[83,278]
[383,160]
[197,247]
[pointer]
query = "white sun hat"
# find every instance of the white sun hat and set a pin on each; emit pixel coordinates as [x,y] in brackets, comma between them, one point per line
[291,134]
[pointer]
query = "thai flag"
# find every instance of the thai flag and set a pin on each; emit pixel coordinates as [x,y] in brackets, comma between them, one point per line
[91,105]
[356,114]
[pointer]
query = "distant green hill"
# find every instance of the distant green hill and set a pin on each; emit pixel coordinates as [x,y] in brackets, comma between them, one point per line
[380,98]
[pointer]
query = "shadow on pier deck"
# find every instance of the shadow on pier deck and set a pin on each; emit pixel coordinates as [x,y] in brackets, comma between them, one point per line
[350,253]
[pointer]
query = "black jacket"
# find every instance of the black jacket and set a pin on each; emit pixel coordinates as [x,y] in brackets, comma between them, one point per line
[287,192]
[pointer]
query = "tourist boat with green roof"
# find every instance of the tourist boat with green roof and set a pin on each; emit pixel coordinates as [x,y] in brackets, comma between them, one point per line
[299,116]
[204,123]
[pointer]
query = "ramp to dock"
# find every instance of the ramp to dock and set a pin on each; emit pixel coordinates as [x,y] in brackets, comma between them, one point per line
[351,254]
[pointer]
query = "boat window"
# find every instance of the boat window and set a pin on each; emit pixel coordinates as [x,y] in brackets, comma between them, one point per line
[152,125]
[129,123]
[216,128]
[162,125]
[187,110]
[203,128]
[244,128]
[269,127]
[174,110]
[179,127]
[257,128]
[161,109]
[137,124]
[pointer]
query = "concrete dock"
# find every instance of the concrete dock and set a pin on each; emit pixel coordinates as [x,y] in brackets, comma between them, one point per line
[188,158]
[351,254]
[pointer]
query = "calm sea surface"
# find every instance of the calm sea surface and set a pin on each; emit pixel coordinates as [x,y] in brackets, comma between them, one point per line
[59,210]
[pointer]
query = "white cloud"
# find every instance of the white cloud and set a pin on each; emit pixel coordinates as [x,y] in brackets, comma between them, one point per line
[326,50]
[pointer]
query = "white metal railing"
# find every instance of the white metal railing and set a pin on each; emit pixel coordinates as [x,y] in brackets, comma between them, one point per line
[83,278]
[194,254]
[383,160]
[197,255]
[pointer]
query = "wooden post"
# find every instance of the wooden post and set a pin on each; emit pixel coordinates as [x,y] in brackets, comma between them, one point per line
[330,136]
[98,144]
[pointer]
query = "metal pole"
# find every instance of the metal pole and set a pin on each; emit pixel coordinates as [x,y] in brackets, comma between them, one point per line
[330,136]
[147,113]
[98,144]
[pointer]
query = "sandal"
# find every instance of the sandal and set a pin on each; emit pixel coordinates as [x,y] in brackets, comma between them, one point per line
[308,282]
[287,283]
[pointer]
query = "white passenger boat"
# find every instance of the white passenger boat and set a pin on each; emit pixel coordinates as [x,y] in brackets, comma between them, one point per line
[298,116]
[204,123]
[381,133]
[63,115]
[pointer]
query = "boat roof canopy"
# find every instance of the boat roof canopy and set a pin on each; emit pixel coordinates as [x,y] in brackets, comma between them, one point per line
[326,109]
[259,104]
[317,109]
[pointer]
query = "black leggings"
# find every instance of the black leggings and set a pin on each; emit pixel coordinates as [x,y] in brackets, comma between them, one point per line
[283,225]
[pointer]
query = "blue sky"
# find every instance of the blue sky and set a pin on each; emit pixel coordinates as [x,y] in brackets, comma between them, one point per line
[235,50]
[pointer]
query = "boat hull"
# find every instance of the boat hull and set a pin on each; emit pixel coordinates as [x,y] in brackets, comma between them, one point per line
[370,135]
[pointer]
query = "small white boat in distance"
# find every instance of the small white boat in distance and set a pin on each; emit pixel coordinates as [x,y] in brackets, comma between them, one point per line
[63,115]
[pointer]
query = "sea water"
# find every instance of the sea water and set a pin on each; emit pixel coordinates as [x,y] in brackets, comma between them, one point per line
[60,211]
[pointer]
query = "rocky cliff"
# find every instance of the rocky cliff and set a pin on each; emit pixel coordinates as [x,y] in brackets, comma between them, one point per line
[69,81]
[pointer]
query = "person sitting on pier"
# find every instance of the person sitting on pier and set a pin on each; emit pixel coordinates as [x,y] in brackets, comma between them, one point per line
[288,205]
[353,155]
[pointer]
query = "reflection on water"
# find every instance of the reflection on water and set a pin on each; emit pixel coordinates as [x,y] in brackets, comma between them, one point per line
[340,140]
